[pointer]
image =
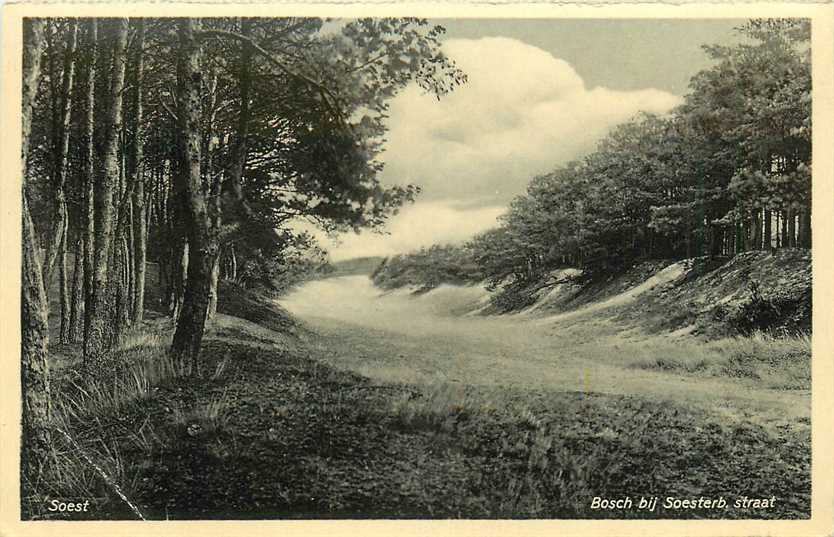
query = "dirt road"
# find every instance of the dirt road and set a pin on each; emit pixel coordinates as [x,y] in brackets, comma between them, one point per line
[398,337]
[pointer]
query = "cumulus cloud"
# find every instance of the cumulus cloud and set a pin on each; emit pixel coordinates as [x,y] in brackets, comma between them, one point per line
[414,227]
[522,112]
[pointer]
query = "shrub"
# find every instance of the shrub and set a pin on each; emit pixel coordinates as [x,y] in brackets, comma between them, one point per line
[757,313]
[515,296]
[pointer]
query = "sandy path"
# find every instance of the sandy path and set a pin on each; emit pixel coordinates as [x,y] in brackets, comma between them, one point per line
[401,338]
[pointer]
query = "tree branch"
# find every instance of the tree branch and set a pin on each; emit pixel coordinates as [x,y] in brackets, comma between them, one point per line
[323,90]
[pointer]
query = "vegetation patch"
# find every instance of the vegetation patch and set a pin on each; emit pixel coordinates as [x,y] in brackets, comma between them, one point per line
[778,362]
[275,433]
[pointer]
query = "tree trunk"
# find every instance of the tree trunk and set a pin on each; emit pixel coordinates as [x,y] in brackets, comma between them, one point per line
[791,228]
[165,281]
[716,241]
[131,261]
[77,304]
[34,367]
[98,338]
[213,288]
[55,239]
[805,228]
[215,186]
[188,336]
[234,264]
[241,146]
[179,278]
[140,231]
[785,241]
[756,223]
[64,290]
[89,197]
[121,286]
[768,229]
[240,151]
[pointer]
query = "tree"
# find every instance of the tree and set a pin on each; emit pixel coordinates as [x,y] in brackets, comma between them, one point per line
[34,307]
[194,143]
[140,231]
[715,177]
[756,104]
[314,159]
[202,245]
[99,325]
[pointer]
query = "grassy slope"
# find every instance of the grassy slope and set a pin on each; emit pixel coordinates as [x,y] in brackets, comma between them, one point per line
[705,300]
[272,431]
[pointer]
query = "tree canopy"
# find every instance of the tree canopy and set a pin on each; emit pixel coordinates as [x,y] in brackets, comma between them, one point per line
[727,171]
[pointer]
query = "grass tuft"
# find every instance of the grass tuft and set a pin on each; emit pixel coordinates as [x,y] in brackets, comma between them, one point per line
[439,408]
[778,362]
[211,418]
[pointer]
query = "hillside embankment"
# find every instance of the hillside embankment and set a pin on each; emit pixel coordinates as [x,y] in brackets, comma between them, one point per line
[347,402]
[713,298]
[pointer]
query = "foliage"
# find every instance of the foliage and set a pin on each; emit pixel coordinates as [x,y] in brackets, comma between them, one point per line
[227,132]
[252,306]
[274,268]
[428,268]
[727,171]
[759,313]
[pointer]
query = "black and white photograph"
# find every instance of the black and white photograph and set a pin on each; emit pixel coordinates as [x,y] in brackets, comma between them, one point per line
[416,268]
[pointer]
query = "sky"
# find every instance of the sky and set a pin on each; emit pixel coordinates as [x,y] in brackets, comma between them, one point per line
[540,94]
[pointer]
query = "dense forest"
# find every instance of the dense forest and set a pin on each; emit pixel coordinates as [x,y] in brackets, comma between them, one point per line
[191,144]
[728,171]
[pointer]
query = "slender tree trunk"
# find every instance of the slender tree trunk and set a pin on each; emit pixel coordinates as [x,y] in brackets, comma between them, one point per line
[98,338]
[188,336]
[241,146]
[89,197]
[215,186]
[213,288]
[791,228]
[77,303]
[240,152]
[140,231]
[131,261]
[805,228]
[756,231]
[64,289]
[179,277]
[34,366]
[120,283]
[785,241]
[768,229]
[55,240]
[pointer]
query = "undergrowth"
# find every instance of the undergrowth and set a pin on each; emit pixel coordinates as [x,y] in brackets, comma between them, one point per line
[272,433]
[778,362]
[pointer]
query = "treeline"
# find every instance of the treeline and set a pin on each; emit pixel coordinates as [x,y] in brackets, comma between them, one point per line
[192,144]
[428,268]
[727,171]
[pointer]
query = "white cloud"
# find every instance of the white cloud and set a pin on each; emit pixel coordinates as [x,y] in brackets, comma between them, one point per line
[415,226]
[522,112]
